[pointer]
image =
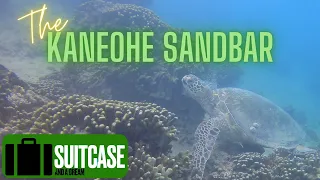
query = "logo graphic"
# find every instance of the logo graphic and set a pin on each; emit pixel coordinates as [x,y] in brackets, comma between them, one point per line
[27,153]
[64,156]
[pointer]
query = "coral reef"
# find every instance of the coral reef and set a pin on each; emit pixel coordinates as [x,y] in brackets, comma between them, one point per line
[147,126]
[49,88]
[15,95]
[139,122]
[136,2]
[99,14]
[9,80]
[158,82]
[143,166]
[280,165]
[20,98]
[149,130]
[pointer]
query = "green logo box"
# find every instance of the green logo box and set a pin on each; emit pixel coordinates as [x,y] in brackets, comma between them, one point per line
[64,156]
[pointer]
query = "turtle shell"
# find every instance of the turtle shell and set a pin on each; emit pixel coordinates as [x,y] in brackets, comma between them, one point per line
[259,118]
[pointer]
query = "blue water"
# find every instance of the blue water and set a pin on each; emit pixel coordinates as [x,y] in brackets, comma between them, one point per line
[294,77]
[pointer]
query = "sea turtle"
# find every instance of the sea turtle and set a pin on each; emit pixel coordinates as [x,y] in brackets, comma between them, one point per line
[239,115]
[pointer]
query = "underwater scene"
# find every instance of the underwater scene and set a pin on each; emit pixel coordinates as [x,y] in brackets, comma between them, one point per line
[184,118]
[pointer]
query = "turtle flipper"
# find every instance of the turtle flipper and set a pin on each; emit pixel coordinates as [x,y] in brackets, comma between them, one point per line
[205,137]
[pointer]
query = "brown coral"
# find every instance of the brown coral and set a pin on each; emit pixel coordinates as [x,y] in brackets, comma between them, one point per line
[280,165]
[15,96]
[140,122]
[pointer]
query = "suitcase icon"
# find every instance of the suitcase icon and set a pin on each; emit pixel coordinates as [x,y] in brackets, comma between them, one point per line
[29,158]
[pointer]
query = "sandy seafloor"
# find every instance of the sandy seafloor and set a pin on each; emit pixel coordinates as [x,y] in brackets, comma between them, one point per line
[16,53]
[29,70]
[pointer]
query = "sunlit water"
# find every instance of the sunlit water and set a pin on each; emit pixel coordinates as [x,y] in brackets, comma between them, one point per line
[293,78]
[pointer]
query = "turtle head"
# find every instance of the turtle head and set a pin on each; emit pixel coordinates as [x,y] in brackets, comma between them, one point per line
[200,91]
[196,88]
